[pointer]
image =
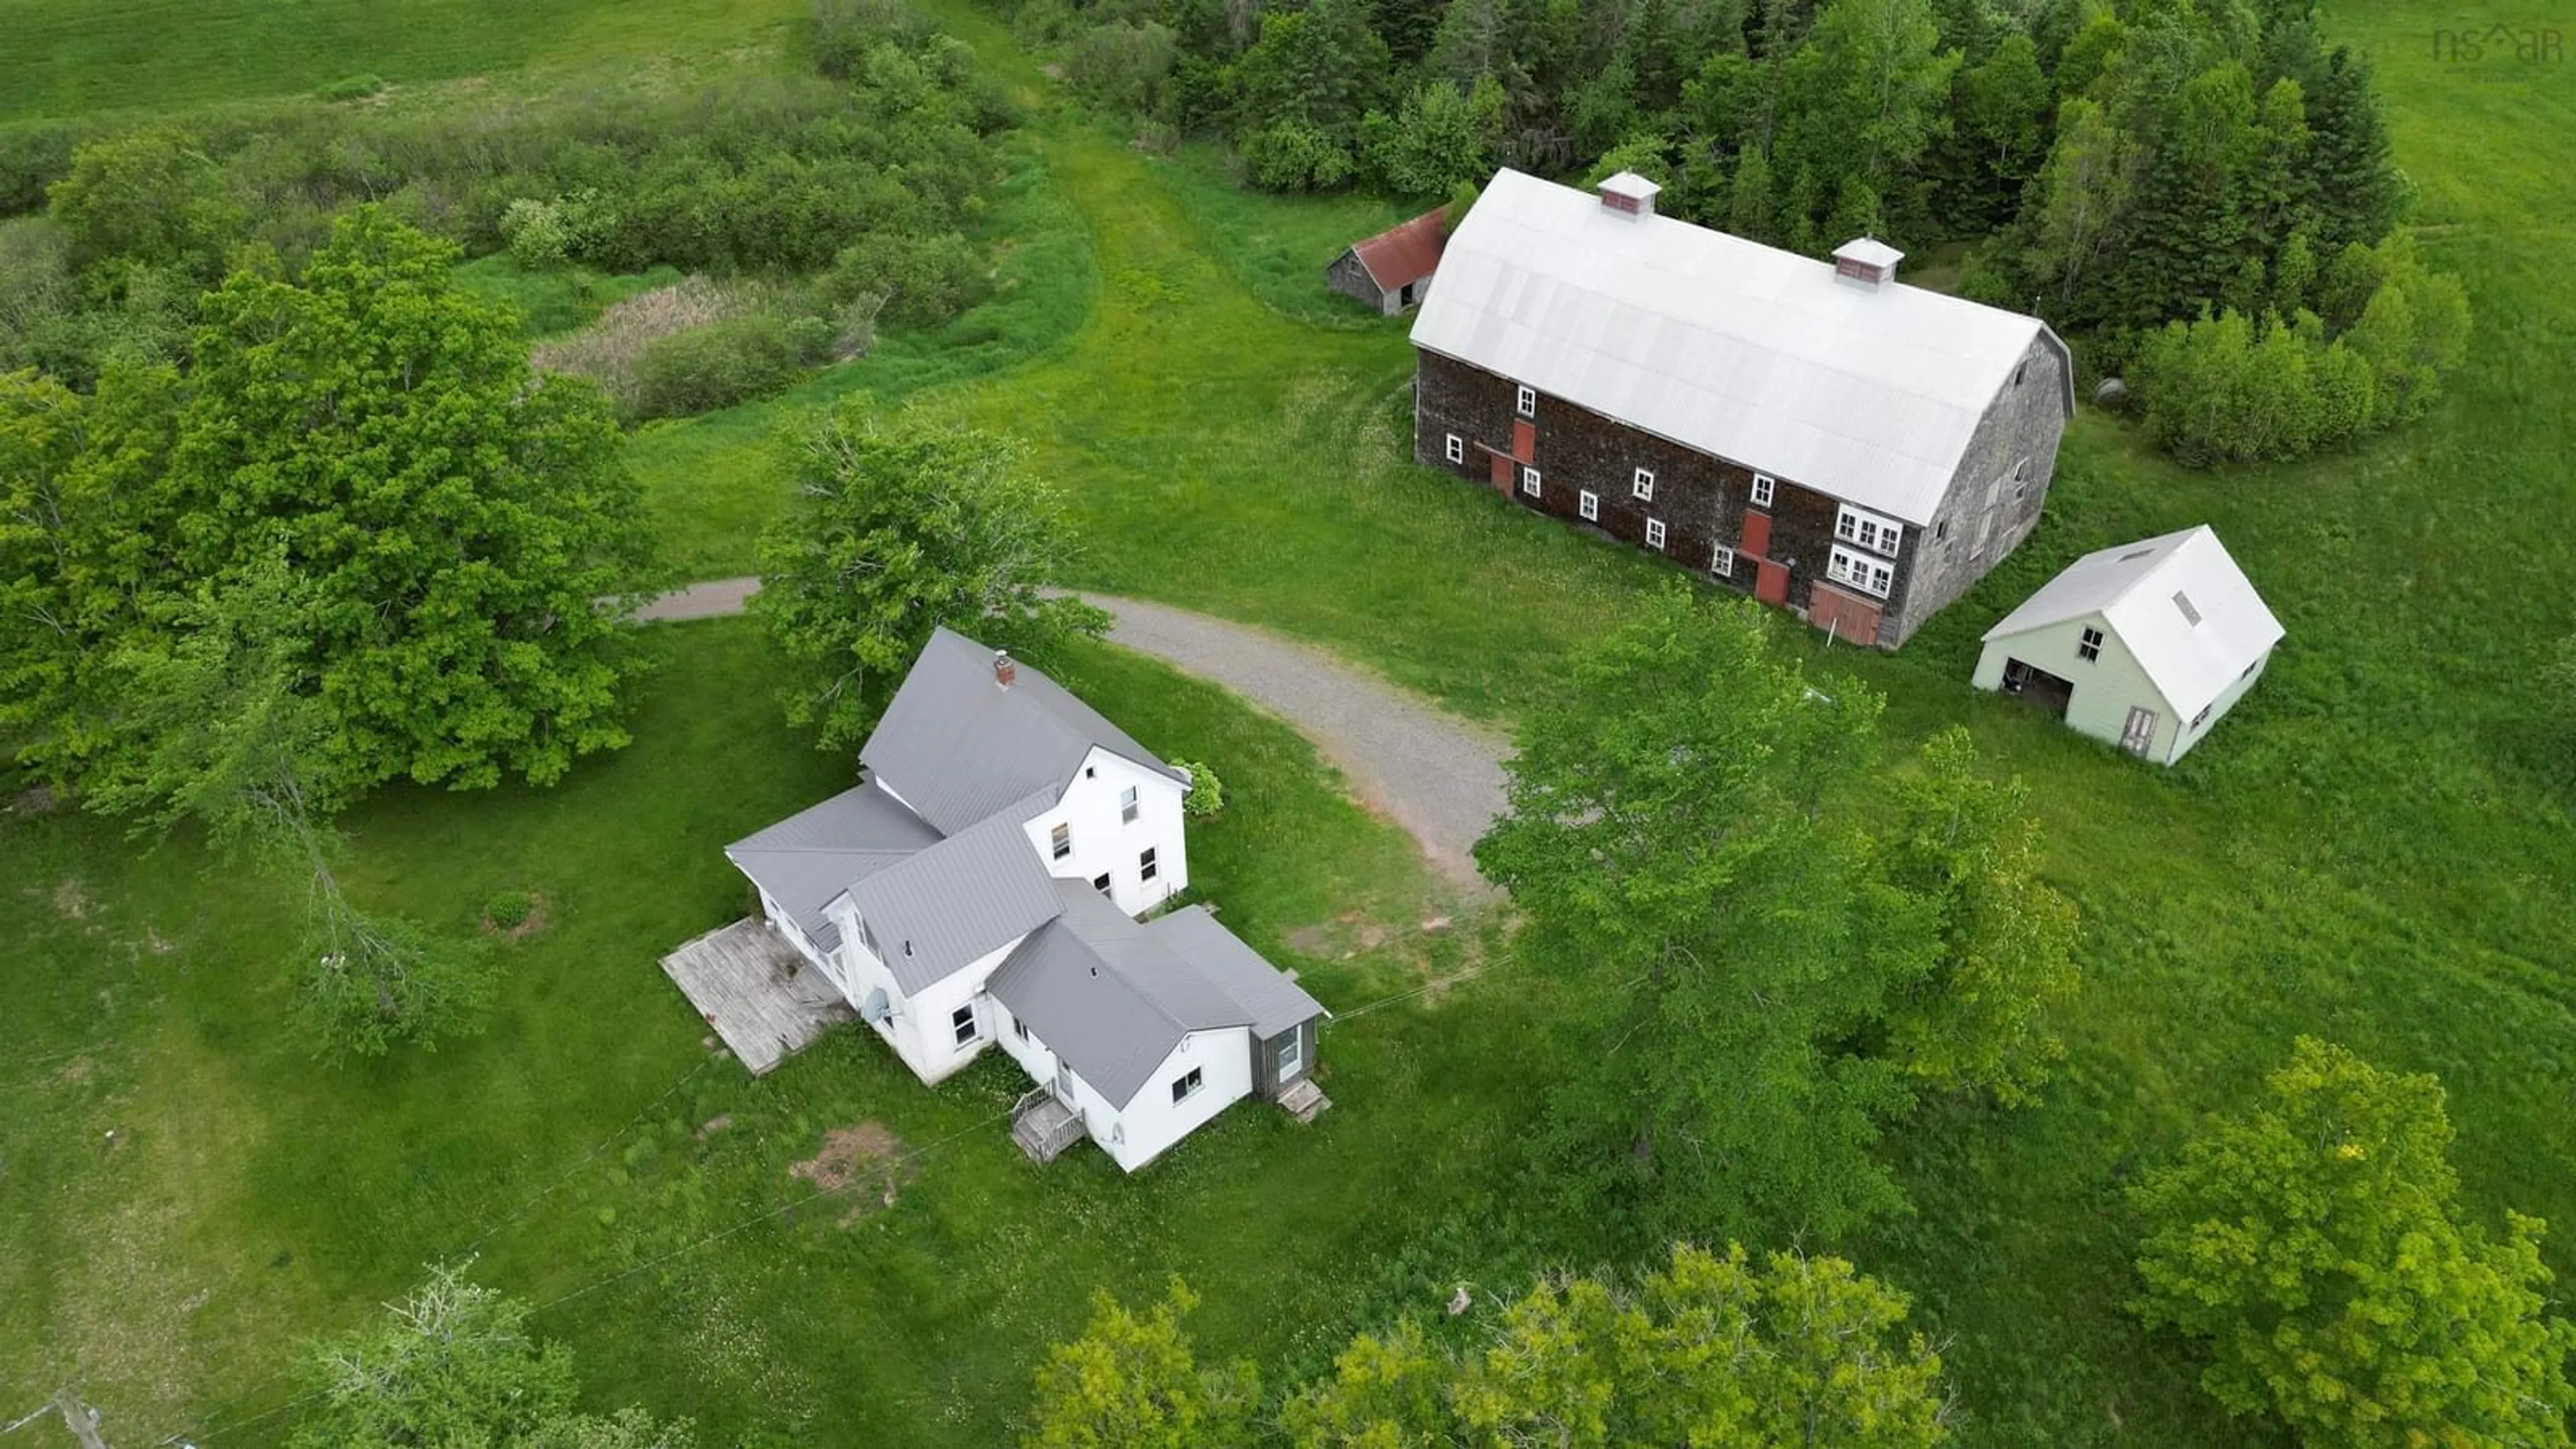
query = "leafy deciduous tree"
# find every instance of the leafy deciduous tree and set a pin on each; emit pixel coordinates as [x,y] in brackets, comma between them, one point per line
[1716,939]
[898,529]
[1131,1382]
[2314,1244]
[1970,845]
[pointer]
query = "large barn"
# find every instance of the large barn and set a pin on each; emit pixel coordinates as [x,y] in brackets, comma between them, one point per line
[1829,439]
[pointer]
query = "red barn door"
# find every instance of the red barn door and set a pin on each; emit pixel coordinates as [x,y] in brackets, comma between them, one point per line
[1756,542]
[1770,580]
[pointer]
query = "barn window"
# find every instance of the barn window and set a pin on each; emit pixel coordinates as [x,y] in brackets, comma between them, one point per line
[2202,718]
[1589,505]
[2020,479]
[1870,531]
[1188,1085]
[1761,490]
[2248,672]
[2090,646]
[1722,563]
[1643,488]
[1127,809]
[1100,882]
[1525,402]
[1654,533]
[962,1020]
[1456,451]
[1060,841]
[1145,867]
[2019,373]
[1860,571]
[1529,481]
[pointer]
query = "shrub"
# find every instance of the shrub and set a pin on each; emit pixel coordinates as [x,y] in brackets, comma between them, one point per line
[509,910]
[1122,66]
[714,366]
[1207,793]
[352,88]
[611,350]
[1291,155]
[918,281]
[842,32]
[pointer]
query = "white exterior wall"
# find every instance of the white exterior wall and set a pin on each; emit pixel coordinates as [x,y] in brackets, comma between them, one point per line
[1103,844]
[1148,1126]
[920,1029]
[2218,709]
[2106,689]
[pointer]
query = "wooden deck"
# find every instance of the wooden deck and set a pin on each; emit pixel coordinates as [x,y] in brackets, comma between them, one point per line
[759,994]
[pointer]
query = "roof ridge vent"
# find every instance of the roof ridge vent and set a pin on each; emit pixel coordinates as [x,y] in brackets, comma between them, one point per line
[1867,261]
[1629,196]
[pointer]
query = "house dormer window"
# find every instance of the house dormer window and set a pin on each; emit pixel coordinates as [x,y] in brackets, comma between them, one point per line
[1127,807]
[1762,486]
[1868,530]
[1060,841]
[1525,402]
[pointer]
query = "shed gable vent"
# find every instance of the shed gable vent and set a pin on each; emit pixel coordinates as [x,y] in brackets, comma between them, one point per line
[1871,264]
[2182,601]
[1629,196]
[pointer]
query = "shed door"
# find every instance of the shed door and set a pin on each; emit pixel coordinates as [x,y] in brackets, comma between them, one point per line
[2139,732]
[1064,1085]
[1757,538]
[1771,582]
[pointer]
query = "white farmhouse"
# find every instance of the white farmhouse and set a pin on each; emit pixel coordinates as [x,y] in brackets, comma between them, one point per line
[981,885]
[2145,645]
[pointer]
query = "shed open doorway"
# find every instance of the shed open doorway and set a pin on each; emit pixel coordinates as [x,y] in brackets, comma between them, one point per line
[2038,686]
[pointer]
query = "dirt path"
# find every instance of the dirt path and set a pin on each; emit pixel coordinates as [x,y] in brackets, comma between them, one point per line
[1438,776]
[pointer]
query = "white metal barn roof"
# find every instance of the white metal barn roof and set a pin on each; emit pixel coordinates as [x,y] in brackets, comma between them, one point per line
[1757,355]
[2179,602]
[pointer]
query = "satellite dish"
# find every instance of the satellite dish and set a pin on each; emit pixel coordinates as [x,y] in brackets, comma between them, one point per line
[876,1008]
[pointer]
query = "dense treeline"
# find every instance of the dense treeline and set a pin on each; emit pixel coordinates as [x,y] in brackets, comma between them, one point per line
[2122,165]
[872,172]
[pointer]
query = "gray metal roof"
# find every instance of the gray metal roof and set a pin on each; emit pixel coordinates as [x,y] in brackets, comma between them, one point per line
[1275,1002]
[2139,589]
[944,907]
[812,856]
[1112,997]
[957,746]
[1754,354]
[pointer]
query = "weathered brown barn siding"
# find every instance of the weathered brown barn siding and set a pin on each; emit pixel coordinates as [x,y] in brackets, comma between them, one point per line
[1265,1062]
[1703,499]
[1352,280]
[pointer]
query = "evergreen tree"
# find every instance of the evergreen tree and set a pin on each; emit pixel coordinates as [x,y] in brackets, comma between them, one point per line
[2357,189]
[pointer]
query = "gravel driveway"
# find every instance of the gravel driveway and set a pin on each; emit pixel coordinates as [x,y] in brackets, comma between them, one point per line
[1438,776]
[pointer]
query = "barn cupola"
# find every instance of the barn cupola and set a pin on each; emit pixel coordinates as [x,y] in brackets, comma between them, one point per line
[1629,196]
[1867,263]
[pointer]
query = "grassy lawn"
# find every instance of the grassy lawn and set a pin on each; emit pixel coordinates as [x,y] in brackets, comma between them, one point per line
[188,1194]
[2370,849]
[65,57]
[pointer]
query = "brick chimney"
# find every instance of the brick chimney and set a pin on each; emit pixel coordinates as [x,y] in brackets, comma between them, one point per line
[1629,196]
[1004,671]
[1869,263]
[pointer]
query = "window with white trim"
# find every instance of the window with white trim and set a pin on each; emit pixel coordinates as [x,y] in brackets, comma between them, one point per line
[1146,868]
[1529,480]
[2202,718]
[1020,1028]
[1128,809]
[1456,450]
[1060,841]
[1878,535]
[962,1021]
[1854,569]
[1722,563]
[1100,882]
[1642,488]
[1525,402]
[1187,1086]
[1589,505]
[1654,533]
[1292,1053]
[2248,671]
[2089,646]
[1762,485]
